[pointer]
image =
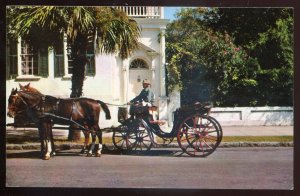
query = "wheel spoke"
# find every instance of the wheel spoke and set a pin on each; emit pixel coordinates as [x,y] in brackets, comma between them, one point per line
[141,138]
[119,140]
[207,144]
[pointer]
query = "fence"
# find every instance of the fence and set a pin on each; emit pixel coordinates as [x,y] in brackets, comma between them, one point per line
[247,116]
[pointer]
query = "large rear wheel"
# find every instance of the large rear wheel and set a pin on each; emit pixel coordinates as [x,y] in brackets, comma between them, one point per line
[219,127]
[199,135]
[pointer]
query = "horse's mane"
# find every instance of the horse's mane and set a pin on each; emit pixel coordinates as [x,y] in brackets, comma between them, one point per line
[29,94]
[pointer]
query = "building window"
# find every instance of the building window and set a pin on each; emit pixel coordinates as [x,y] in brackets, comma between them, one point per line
[29,63]
[59,68]
[90,65]
[138,64]
[24,60]
[69,67]
[12,58]
[90,54]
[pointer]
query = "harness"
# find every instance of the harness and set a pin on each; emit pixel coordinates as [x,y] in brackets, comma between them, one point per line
[40,107]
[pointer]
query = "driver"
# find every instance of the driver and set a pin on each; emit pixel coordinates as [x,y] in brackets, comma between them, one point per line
[146,97]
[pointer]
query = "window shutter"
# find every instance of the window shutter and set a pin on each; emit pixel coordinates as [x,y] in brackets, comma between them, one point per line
[43,62]
[90,65]
[11,59]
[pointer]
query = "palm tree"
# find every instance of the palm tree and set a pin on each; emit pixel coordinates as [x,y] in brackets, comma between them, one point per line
[111,30]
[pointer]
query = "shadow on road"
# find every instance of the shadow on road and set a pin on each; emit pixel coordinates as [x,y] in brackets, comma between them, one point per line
[24,154]
[35,154]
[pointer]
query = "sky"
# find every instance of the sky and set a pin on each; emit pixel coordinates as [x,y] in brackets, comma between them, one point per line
[170,11]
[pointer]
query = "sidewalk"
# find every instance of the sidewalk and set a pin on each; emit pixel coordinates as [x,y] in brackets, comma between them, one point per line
[227,131]
[258,130]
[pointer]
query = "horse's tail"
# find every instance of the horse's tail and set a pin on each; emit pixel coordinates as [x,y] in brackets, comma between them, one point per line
[105,108]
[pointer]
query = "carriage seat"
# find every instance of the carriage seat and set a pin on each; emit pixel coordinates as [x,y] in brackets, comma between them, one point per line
[202,107]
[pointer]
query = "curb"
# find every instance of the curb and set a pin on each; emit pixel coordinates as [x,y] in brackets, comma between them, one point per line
[68,146]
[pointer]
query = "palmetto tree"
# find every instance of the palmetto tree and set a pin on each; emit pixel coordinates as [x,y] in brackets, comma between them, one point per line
[111,30]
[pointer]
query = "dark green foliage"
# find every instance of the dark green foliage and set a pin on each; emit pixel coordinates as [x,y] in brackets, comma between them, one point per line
[232,56]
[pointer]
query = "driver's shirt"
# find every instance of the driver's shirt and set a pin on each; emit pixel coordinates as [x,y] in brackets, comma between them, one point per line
[146,95]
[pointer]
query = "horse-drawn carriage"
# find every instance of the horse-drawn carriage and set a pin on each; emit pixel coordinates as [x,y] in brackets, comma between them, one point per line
[197,133]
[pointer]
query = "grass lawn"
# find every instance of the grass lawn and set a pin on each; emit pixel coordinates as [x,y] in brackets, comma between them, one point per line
[258,139]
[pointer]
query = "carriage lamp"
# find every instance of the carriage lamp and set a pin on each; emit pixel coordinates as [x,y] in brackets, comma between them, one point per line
[139,78]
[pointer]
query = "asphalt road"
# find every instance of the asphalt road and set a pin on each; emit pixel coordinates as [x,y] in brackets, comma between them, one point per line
[226,168]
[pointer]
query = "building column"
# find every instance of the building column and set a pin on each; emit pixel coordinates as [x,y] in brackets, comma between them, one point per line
[162,64]
[19,52]
[125,68]
[66,64]
[51,63]
[163,99]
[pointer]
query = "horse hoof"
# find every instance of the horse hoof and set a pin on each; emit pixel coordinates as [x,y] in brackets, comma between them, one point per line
[46,157]
[52,154]
[98,155]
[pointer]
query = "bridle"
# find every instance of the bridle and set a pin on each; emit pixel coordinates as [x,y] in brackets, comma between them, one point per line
[17,96]
[13,107]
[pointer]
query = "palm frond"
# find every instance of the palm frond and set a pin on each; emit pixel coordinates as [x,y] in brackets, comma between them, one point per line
[117,33]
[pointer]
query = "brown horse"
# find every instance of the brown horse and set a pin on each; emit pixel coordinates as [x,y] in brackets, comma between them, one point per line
[46,110]
[29,88]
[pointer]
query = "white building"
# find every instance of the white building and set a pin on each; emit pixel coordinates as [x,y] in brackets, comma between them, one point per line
[108,78]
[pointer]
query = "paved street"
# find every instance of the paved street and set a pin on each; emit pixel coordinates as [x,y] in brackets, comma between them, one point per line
[226,168]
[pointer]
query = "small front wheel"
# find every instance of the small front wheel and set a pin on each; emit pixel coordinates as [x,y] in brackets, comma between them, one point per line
[139,139]
[199,135]
[119,139]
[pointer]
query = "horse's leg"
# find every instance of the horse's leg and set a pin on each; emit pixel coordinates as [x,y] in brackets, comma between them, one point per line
[52,142]
[99,134]
[41,132]
[45,129]
[86,141]
[48,139]
[90,152]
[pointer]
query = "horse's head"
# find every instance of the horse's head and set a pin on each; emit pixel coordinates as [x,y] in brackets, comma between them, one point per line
[19,101]
[12,103]
[28,88]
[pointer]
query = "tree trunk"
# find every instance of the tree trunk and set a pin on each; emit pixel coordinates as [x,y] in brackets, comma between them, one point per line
[79,60]
[74,134]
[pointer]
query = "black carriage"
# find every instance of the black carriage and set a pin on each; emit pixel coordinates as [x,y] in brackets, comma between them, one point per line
[197,133]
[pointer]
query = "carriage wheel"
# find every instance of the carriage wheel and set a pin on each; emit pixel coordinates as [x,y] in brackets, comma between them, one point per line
[219,127]
[139,139]
[199,135]
[119,139]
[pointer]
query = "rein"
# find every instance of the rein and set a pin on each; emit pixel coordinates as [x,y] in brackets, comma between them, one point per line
[115,104]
